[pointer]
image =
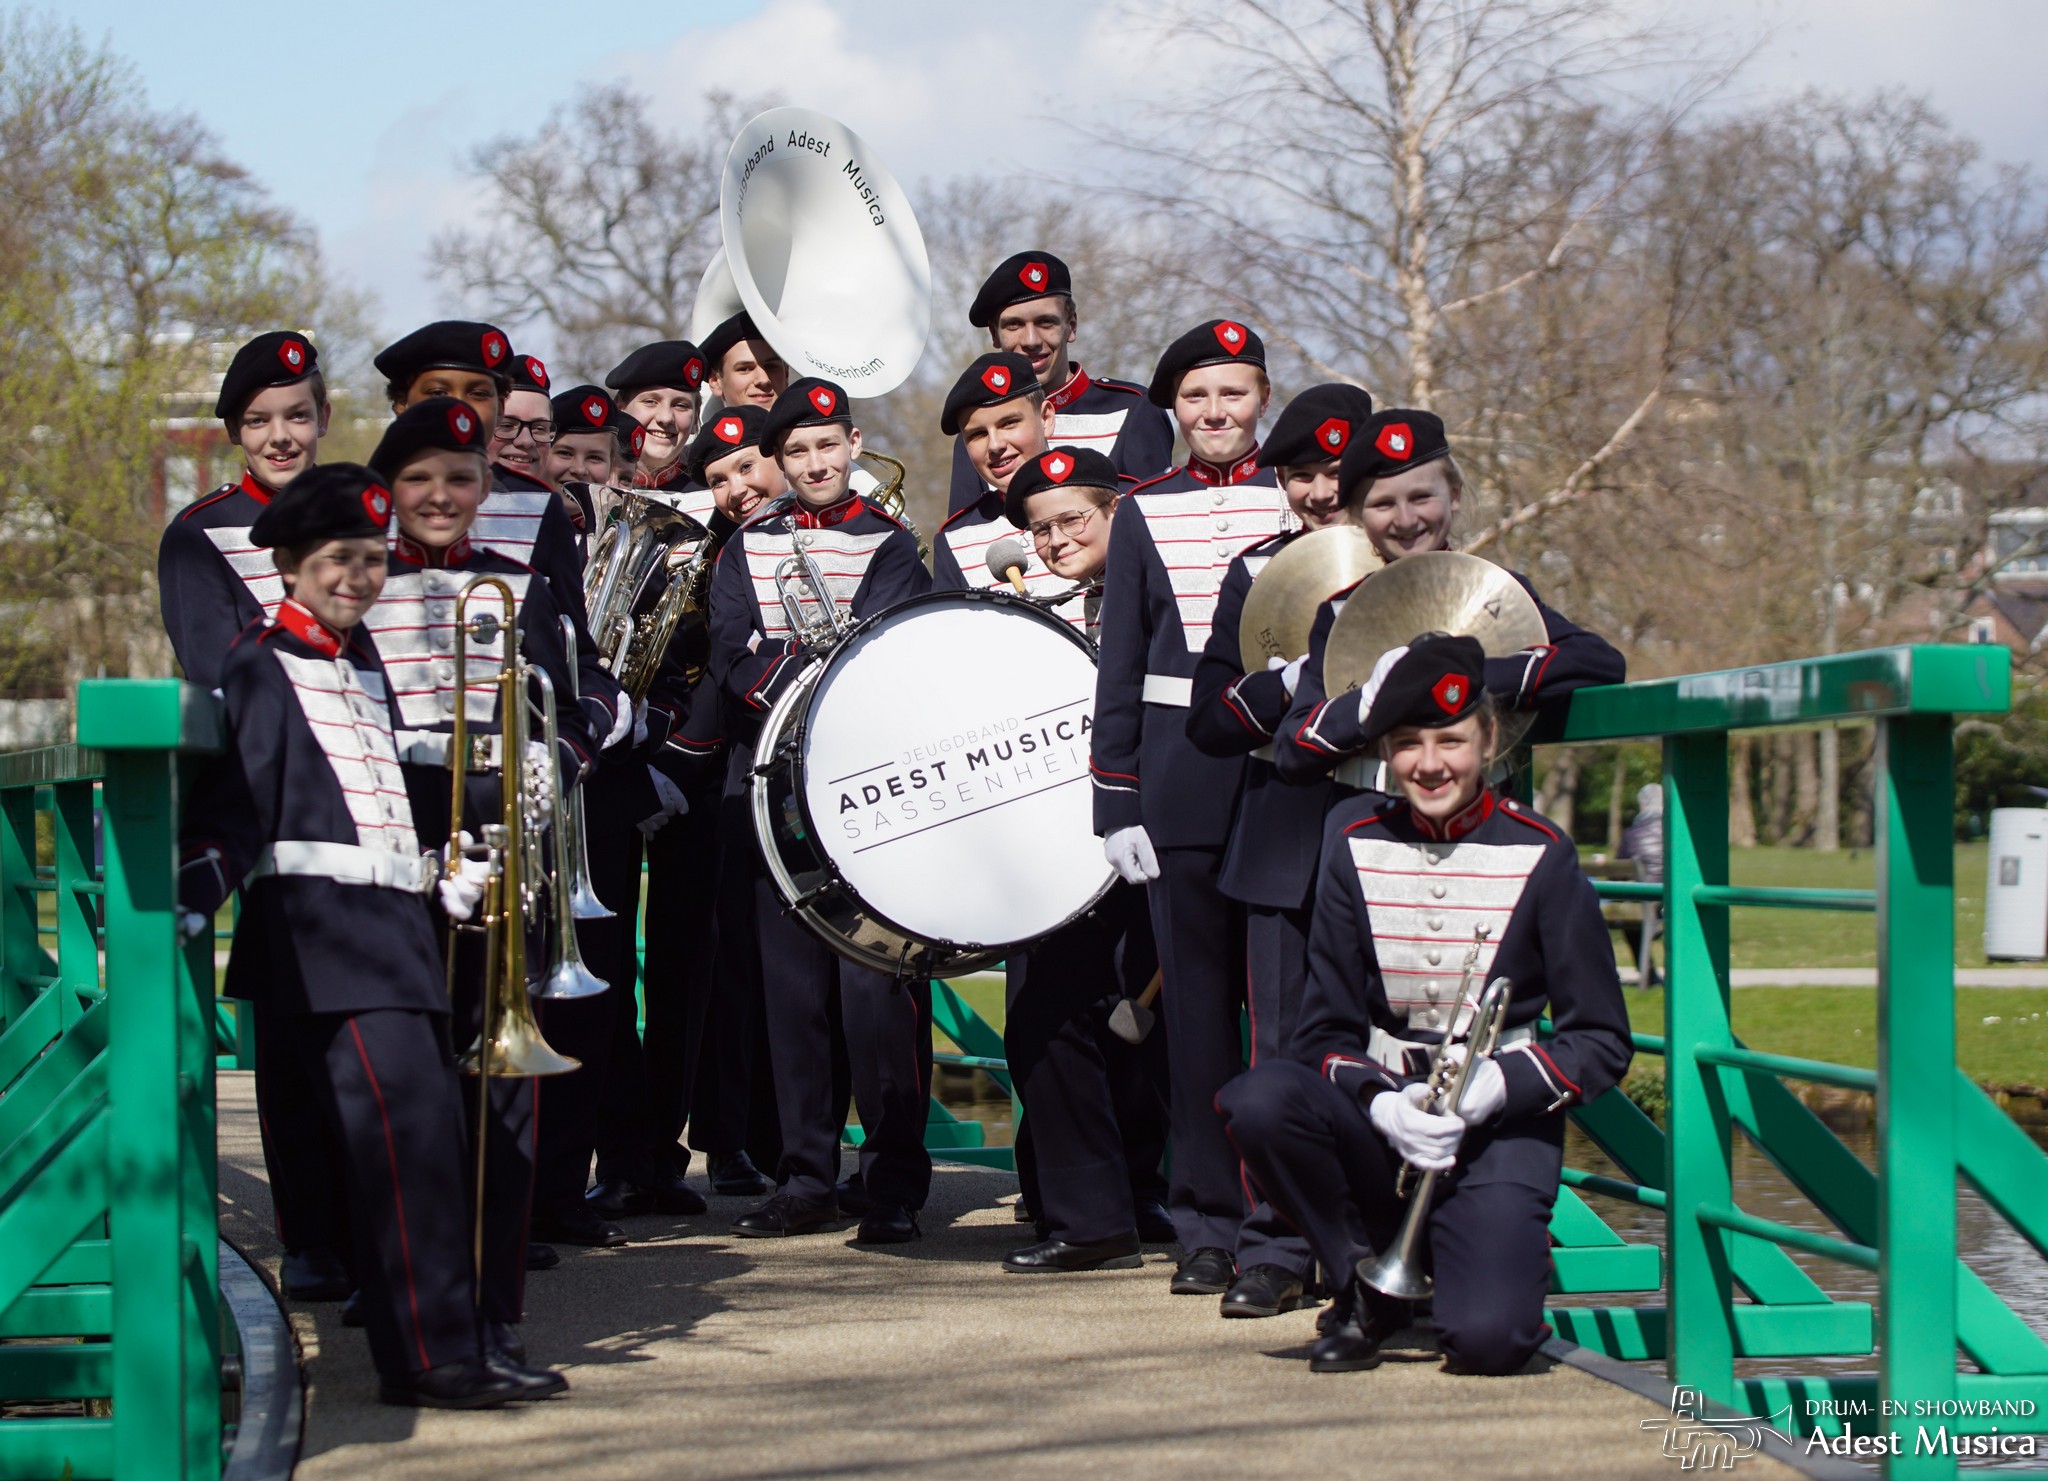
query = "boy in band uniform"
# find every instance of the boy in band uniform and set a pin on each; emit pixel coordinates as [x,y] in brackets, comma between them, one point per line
[1162,806]
[212,582]
[868,562]
[1402,485]
[1269,861]
[336,941]
[1027,307]
[525,428]
[432,459]
[741,367]
[658,387]
[1403,882]
[596,447]
[997,411]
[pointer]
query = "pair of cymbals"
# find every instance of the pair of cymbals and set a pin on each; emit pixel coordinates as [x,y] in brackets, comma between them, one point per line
[1280,609]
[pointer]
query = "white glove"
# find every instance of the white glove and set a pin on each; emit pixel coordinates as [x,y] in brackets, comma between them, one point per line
[540,781]
[1289,671]
[462,881]
[753,642]
[1130,851]
[1486,1093]
[673,803]
[1418,1136]
[191,926]
[1371,689]
[640,723]
[622,725]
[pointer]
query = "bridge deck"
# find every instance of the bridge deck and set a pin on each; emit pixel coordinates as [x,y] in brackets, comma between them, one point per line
[695,1354]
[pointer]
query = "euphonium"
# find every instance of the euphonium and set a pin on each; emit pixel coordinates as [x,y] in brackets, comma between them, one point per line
[643,535]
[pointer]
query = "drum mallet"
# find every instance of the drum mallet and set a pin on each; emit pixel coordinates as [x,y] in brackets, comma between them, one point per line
[1007,560]
[1132,1019]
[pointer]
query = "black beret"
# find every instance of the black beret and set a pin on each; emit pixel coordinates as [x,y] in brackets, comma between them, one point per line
[810,402]
[733,428]
[590,409]
[1438,681]
[528,374]
[1317,425]
[447,344]
[1019,279]
[1391,442]
[1218,342]
[999,376]
[1058,468]
[281,358]
[330,501]
[739,327]
[675,363]
[439,423]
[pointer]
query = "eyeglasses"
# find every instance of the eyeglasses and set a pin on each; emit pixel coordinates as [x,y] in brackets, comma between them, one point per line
[509,428]
[1069,525]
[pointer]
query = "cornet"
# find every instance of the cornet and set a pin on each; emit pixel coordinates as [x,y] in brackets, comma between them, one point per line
[807,602]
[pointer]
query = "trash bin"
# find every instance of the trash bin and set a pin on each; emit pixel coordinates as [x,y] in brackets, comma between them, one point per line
[2016,891]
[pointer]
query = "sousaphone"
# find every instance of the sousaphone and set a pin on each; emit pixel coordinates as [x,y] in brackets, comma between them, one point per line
[1443,591]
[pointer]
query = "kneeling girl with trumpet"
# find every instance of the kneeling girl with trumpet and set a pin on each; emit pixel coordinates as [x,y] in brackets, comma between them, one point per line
[1411,885]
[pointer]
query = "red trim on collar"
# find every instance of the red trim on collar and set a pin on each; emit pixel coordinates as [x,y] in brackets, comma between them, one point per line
[674,473]
[408,549]
[1455,827]
[1210,473]
[254,489]
[1076,387]
[805,518]
[307,628]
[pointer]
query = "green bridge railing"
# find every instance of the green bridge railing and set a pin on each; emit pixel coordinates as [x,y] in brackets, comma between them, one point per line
[107,1190]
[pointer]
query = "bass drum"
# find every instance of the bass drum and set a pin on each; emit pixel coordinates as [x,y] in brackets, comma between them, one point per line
[921,796]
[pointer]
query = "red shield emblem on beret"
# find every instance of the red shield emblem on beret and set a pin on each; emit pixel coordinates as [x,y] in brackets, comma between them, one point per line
[596,410]
[1057,466]
[495,349]
[536,372]
[1450,691]
[996,378]
[462,422]
[293,353]
[729,429]
[824,400]
[638,440]
[693,372]
[1034,275]
[1332,436]
[1233,337]
[1397,441]
[377,503]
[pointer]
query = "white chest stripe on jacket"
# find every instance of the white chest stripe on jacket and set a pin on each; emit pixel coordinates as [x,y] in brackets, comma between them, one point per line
[256,568]
[841,559]
[1199,532]
[509,522]
[1423,901]
[414,625]
[354,731]
[1096,429]
[970,548]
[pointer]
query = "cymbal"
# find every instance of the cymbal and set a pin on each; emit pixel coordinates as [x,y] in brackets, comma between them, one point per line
[1443,591]
[1281,606]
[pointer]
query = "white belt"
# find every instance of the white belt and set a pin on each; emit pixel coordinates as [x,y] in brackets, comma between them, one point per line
[1361,773]
[1390,1052]
[430,748]
[350,863]
[1165,689]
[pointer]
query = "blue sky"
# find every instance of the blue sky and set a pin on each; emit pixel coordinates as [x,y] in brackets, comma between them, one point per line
[357,114]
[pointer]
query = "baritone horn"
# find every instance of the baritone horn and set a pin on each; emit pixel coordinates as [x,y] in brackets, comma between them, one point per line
[642,536]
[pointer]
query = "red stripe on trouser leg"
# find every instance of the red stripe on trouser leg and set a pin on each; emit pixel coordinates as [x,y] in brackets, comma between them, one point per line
[397,1194]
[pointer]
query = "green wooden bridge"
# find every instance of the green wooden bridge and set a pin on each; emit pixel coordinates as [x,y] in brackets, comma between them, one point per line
[112,1345]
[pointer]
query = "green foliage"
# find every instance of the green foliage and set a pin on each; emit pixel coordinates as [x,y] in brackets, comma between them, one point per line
[1998,752]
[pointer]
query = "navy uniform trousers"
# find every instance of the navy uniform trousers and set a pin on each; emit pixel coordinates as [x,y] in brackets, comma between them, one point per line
[732,1100]
[308,1185]
[1276,952]
[1313,1152]
[386,1089]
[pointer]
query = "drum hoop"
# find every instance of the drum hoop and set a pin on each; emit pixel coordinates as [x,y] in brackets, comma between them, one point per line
[800,726]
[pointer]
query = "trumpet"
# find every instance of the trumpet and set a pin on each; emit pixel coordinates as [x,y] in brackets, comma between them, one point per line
[807,602]
[643,535]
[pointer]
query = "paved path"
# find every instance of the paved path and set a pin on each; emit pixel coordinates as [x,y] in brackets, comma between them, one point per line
[695,1354]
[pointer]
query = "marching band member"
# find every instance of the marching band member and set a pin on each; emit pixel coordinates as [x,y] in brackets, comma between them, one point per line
[656,386]
[997,410]
[741,367]
[1076,1173]
[1404,485]
[1324,1130]
[336,941]
[1162,806]
[525,428]
[1027,307]
[867,562]
[213,581]
[1269,862]
[595,445]
[432,458]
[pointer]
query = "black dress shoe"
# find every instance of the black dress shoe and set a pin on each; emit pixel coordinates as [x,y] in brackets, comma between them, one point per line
[1263,1290]
[1155,1224]
[542,1257]
[675,1197]
[533,1383]
[853,1196]
[468,1384]
[352,1314]
[578,1224]
[1057,1257]
[1204,1273]
[733,1175]
[1358,1322]
[615,1198]
[888,1223]
[786,1213]
[315,1275]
